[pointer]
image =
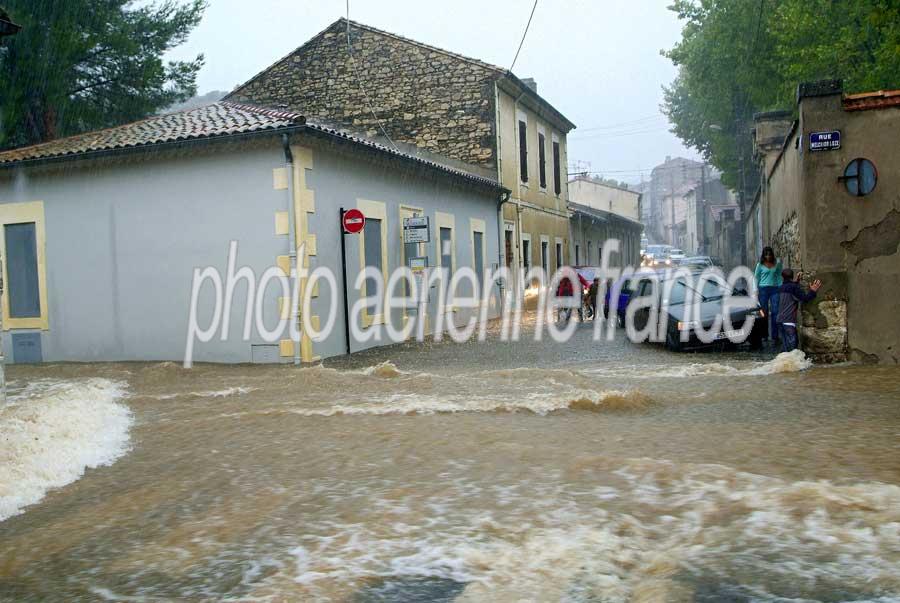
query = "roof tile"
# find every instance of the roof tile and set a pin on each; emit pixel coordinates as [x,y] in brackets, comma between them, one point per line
[217,119]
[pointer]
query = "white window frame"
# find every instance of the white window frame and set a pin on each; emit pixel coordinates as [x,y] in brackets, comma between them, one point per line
[545,261]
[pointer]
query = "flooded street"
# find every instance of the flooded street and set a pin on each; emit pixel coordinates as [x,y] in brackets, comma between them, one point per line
[445,472]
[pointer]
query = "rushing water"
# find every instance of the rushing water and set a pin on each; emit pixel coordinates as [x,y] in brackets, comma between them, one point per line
[476,472]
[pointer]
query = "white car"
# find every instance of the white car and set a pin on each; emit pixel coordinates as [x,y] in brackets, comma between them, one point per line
[676,255]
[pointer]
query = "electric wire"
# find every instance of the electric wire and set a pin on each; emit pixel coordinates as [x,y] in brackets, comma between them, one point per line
[360,85]
[525,33]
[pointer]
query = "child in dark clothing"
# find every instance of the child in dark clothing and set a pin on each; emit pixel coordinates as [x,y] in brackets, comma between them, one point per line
[790,295]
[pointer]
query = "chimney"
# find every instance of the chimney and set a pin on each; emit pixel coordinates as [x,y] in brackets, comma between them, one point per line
[529,81]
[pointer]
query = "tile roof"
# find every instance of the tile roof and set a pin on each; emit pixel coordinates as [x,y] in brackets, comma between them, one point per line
[217,119]
[872,100]
[220,119]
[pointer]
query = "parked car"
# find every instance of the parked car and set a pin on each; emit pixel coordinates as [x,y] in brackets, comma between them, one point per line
[710,298]
[698,262]
[676,255]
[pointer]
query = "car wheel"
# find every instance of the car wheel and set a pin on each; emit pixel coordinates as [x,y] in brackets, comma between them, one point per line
[673,339]
[757,335]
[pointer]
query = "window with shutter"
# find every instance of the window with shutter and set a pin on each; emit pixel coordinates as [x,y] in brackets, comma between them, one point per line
[523,151]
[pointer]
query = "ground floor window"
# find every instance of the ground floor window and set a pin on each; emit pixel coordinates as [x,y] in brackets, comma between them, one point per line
[545,263]
[22,267]
[559,256]
[373,253]
[478,228]
[22,240]
[526,254]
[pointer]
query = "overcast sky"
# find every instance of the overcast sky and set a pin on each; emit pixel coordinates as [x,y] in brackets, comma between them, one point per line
[597,61]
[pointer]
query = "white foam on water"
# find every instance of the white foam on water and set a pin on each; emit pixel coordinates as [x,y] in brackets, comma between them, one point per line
[680,527]
[540,403]
[785,362]
[52,431]
[218,393]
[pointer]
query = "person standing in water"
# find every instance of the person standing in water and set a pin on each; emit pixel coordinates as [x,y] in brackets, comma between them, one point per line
[768,280]
[790,296]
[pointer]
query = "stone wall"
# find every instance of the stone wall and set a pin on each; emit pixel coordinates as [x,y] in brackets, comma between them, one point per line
[786,242]
[423,96]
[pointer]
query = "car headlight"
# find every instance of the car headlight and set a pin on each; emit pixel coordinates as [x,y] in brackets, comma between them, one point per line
[668,262]
[687,325]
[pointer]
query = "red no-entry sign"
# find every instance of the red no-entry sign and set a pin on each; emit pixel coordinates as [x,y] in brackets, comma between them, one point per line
[353,221]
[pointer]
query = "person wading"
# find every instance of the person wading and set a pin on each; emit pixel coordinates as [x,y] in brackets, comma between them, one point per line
[768,280]
[790,296]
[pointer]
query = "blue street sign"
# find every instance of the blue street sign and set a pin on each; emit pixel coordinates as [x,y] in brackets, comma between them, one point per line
[825,141]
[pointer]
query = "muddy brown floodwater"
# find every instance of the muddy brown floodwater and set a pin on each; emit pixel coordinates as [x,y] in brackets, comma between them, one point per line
[444,472]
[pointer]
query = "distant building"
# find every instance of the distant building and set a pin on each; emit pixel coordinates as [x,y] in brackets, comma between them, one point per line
[829,204]
[443,106]
[671,178]
[592,227]
[598,194]
[698,227]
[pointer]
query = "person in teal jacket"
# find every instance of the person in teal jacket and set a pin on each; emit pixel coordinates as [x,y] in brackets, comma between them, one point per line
[768,280]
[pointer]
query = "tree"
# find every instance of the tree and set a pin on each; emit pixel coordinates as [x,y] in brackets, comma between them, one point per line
[79,65]
[740,57]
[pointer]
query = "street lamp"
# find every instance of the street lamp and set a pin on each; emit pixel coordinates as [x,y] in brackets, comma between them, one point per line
[7,27]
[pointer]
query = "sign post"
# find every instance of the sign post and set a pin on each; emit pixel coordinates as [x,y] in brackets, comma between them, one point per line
[415,230]
[352,222]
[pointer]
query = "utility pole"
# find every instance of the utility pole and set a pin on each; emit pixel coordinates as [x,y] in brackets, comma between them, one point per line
[701,218]
[7,28]
[672,207]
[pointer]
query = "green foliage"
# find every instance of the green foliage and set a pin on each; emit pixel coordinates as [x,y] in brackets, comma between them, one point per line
[79,65]
[739,57]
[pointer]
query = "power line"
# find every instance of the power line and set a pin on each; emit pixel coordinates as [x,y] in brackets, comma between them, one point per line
[525,33]
[634,122]
[622,134]
[361,87]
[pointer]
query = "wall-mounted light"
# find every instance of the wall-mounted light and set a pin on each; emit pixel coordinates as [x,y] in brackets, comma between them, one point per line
[7,27]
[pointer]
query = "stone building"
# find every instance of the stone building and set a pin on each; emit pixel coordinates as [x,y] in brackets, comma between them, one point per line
[103,234]
[441,105]
[829,203]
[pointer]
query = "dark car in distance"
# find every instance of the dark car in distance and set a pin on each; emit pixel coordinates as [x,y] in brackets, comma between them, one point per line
[683,319]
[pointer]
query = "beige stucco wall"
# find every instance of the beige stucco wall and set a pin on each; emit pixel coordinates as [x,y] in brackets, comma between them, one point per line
[851,243]
[531,211]
[608,198]
[856,239]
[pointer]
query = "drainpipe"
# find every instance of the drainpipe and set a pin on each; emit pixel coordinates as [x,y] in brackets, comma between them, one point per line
[501,240]
[292,235]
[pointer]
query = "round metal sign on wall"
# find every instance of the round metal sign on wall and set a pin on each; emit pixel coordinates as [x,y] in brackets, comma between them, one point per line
[860,177]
